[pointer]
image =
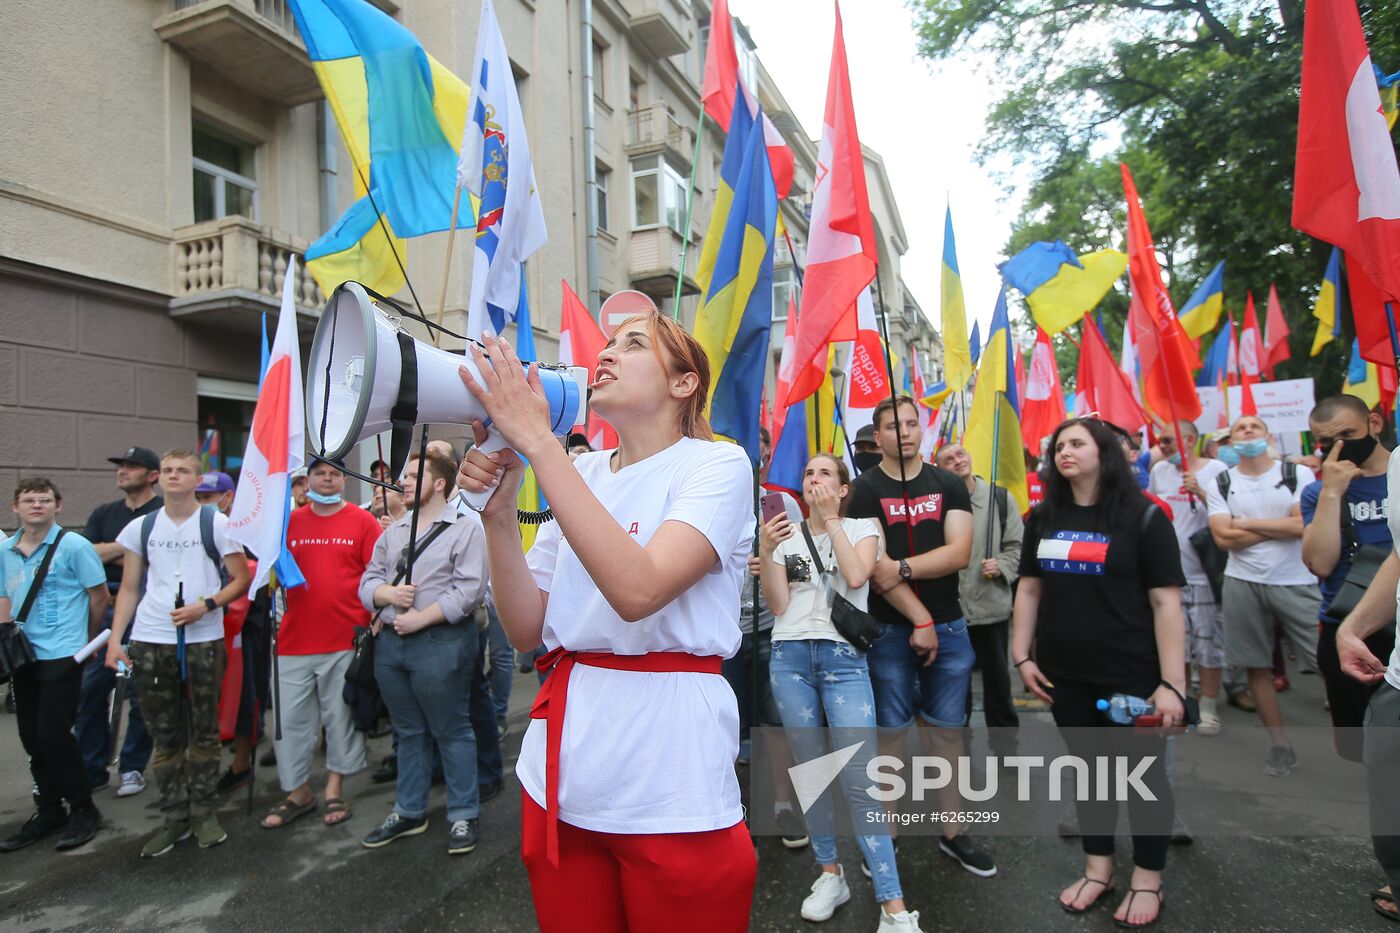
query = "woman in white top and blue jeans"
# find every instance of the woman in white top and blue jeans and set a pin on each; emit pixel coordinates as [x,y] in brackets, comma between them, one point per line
[817,675]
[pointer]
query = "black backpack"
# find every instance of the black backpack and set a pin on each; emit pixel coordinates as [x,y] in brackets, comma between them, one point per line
[206,537]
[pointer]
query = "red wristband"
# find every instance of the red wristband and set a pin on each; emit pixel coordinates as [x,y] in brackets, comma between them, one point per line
[925,625]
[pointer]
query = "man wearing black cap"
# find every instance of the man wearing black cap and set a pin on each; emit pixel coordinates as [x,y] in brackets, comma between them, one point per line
[138,469]
[865,452]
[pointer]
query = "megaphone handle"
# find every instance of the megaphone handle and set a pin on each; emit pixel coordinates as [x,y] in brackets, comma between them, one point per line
[494,442]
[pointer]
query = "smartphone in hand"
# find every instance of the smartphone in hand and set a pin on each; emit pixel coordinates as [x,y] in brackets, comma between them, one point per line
[771,506]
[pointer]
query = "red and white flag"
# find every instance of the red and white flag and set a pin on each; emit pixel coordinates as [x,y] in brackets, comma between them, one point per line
[787,369]
[1043,403]
[580,342]
[1346,186]
[276,445]
[841,255]
[722,83]
[1251,356]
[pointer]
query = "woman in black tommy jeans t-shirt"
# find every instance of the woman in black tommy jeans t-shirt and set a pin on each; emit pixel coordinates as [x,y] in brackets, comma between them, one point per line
[1100,599]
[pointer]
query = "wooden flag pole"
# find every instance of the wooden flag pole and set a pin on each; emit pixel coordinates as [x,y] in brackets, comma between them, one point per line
[689,204]
[447,265]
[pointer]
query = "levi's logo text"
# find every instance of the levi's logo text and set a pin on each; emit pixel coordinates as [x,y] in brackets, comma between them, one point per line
[929,507]
[1073,552]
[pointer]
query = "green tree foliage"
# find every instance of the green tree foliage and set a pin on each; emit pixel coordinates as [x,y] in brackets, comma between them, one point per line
[1198,97]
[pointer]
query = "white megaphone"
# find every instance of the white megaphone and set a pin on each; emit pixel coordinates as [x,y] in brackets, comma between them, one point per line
[366,376]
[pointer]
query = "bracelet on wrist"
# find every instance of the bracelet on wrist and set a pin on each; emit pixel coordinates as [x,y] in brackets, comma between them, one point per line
[928,624]
[1018,664]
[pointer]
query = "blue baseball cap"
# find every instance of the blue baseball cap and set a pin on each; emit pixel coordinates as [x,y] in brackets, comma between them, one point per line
[214,482]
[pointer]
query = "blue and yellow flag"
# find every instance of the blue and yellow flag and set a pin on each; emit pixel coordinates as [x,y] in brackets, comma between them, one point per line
[401,114]
[1216,368]
[1059,286]
[736,310]
[1329,322]
[1201,313]
[1363,379]
[957,352]
[993,438]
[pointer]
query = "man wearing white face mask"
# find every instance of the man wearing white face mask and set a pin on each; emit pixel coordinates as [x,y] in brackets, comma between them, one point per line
[1255,515]
[1181,478]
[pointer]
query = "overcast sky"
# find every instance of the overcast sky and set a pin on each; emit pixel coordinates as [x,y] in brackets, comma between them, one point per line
[924,120]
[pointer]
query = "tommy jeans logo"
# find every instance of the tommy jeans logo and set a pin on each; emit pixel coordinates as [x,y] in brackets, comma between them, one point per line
[1073,552]
[922,508]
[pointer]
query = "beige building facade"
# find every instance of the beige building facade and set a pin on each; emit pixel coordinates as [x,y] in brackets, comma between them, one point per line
[167,158]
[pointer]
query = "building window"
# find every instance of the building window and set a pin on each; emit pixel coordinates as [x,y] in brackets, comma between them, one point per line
[784,285]
[224,170]
[225,412]
[634,90]
[603,177]
[658,195]
[748,64]
[600,84]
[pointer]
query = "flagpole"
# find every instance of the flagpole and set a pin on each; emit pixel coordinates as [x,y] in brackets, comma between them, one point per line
[996,449]
[447,263]
[1394,350]
[689,204]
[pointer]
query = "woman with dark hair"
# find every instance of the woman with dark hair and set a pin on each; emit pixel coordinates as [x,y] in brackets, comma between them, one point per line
[1098,612]
[631,818]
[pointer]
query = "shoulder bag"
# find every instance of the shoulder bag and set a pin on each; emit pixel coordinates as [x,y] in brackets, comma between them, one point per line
[360,671]
[15,650]
[855,625]
[1366,560]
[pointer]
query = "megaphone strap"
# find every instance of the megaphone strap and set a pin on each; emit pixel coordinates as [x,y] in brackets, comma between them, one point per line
[404,414]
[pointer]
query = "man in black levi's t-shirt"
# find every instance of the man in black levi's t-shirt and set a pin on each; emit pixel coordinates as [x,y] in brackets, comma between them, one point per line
[927,526]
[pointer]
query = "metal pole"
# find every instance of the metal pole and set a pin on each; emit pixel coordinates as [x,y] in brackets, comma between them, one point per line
[996,449]
[590,167]
[689,202]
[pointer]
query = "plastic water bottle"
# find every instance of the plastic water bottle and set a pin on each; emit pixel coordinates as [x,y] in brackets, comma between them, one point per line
[1126,710]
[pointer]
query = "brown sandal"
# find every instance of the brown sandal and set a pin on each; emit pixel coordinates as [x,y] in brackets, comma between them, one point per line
[336,805]
[1107,890]
[288,811]
[1134,892]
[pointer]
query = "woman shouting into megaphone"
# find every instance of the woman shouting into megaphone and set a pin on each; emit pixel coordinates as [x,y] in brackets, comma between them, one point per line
[630,795]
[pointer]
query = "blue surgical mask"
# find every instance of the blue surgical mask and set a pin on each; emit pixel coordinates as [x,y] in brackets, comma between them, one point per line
[323,500]
[1174,460]
[1229,456]
[1251,448]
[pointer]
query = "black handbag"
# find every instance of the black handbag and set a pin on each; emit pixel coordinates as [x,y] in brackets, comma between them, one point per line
[855,625]
[360,670]
[15,650]
[1366,560]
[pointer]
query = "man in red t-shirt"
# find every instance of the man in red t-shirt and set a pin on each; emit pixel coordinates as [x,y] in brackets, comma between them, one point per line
[332,541]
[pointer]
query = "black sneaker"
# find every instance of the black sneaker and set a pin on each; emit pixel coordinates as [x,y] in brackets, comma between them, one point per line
[231,780]
[794,832]
[1282,761]
[82,826]
[392,828]
[462,838]
[961,850]
[490,791]
[387,771]
[269,758]
[39,826]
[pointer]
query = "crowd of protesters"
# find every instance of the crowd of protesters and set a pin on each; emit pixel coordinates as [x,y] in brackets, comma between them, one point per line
[1173,571]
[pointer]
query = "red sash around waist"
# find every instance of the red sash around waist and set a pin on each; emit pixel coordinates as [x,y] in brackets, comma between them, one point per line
[553,696]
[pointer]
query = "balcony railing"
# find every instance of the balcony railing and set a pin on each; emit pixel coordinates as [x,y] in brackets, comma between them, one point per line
[653,128]
[226,268]
[252,43]
[654,259]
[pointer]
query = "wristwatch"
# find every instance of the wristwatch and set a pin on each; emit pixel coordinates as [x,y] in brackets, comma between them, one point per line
[210,604]
[904,572]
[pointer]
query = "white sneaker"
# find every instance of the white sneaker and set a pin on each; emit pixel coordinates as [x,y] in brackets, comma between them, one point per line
[133,783]
[1209,724]
[906,921]
[828,893]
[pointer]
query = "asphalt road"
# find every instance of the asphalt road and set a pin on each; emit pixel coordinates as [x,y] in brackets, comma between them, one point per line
[311,877]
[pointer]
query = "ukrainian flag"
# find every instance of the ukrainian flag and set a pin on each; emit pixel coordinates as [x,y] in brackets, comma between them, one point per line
[957,353]
[1201,312]
[401,114]
[993,436]
[1059,286]
[1329,322]
[1363,380]
[736,275]
[1216,368]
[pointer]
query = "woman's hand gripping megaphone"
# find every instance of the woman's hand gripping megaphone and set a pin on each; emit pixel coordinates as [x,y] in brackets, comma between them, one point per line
[519,411]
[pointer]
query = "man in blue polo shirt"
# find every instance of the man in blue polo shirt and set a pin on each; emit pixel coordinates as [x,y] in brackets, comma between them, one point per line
[1344,516]
[68,605]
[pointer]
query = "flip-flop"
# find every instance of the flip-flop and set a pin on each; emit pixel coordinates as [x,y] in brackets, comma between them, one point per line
[1134,892]
[1389,913]
[336,805]
[288,811]
[1107,890]
[1381,894]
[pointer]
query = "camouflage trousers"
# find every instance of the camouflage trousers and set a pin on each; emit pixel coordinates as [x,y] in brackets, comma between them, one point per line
[185,730]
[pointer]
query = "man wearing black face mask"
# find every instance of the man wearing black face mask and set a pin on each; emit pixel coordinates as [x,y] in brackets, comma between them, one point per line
[1345,518]
[865,453]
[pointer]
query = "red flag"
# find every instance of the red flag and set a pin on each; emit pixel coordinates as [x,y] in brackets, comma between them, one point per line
[1346,186]
[1042,397]
[787,369]
[1165,353]
[1104,387]
[1018,363]
[1276,335]
[1250,343]
[580,342]
[841,256]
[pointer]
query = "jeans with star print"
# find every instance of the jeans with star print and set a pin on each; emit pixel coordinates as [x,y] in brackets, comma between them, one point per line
[816,681]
